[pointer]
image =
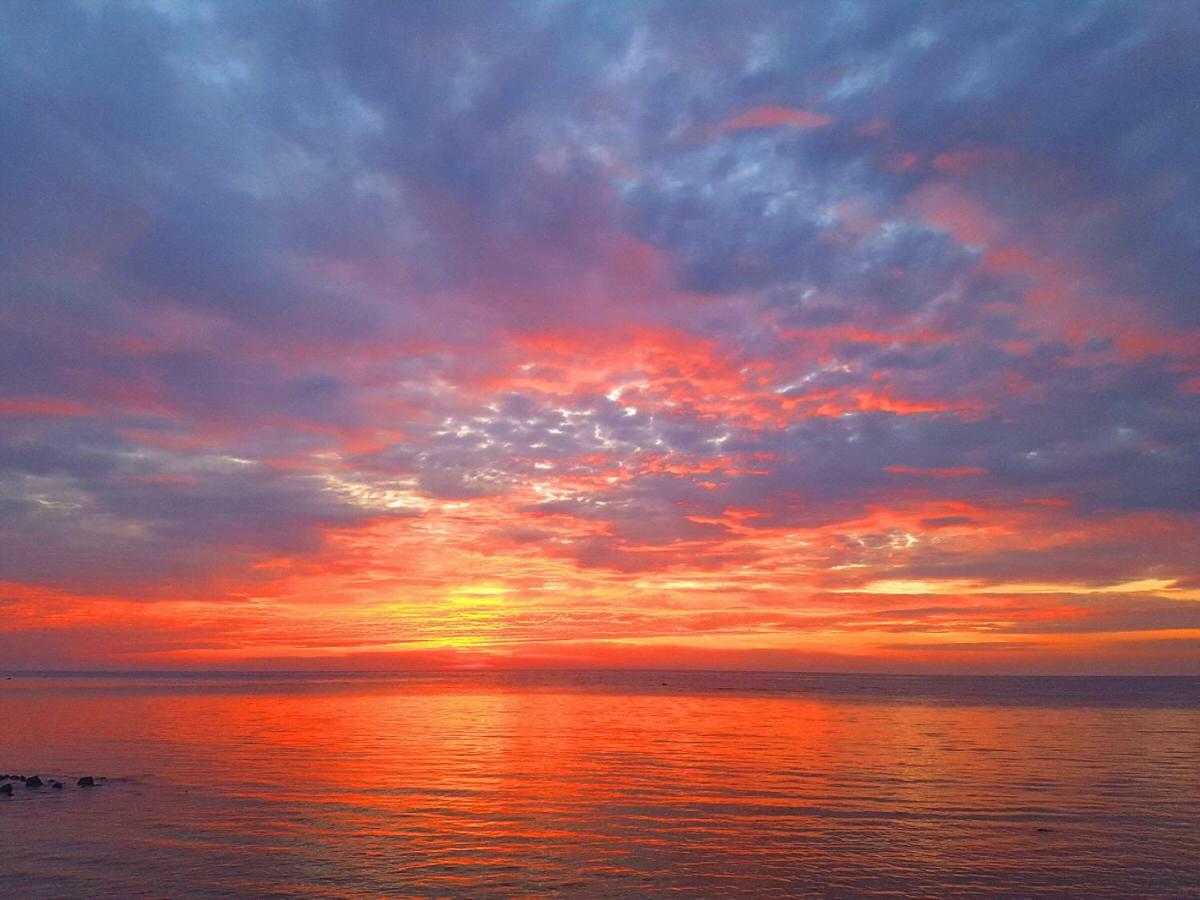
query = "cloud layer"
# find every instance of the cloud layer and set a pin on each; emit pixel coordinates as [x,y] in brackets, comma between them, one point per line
[843,334]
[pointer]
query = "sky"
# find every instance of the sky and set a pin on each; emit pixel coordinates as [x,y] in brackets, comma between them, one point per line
[835,336]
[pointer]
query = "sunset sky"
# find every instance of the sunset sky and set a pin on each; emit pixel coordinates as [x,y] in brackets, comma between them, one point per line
[825,336]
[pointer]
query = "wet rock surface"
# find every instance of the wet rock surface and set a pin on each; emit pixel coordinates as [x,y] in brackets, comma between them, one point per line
[36,782]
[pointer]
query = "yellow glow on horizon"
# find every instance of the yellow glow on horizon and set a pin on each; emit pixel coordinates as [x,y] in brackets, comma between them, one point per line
[484,594]
[949,586]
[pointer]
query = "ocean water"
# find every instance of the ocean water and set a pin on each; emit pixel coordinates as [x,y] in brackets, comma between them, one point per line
[600,784]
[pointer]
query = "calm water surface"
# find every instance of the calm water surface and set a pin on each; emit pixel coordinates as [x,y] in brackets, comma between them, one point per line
[601,784]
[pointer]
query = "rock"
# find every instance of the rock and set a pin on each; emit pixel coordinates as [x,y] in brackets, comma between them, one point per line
[5,790]
[57,785]
[33,782]
[86,781]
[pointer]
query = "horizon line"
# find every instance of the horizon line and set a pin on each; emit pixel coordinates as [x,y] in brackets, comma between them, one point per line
[9,673]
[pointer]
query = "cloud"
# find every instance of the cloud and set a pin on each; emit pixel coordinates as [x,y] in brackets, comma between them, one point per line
[766,303]
[774,117]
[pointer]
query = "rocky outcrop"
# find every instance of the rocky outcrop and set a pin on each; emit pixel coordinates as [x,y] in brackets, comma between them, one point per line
[7,781]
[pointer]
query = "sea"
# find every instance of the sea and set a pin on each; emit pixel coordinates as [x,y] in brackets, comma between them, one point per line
[599,784]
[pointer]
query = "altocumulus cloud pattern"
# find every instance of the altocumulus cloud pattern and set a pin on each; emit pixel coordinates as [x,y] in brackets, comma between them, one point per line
[823,335]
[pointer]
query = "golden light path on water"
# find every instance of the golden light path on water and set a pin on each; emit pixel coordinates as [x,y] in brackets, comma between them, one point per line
[601,783]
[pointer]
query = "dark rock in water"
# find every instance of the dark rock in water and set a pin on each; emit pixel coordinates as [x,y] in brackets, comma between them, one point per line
[57,785]
[33,781]
[5,790]
[86,781]
[1043,829]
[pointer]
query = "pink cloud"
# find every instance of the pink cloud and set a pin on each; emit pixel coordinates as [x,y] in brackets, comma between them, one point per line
[774,117]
